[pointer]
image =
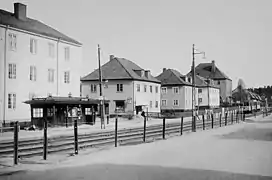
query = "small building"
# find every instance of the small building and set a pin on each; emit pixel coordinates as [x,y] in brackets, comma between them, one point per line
[61,111]
[128,87]
[211,71]
[35,60]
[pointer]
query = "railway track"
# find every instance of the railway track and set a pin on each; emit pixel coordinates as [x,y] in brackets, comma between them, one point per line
[28,148]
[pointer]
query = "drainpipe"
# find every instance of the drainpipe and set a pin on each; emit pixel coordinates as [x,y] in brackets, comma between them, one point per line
[58,66]
[5,76]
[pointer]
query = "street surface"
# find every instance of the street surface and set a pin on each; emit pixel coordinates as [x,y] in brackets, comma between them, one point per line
[242,151]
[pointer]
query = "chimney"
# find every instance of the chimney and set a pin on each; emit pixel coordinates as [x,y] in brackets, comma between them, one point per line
[213,66]
[164,69]
[147,74]
[111,57]
[20,11]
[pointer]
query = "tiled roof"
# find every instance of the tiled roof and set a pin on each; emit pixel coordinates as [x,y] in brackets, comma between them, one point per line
[251,95]
[202,82]
[205,70]
[172,77]
[32,25]
[119,69]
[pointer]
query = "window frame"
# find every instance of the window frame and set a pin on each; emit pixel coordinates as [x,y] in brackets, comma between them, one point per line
[33,46]
[119,88]
[67,53]
[12,100]
[138,88]
[93,88]
[164,91]
[51,75]
[67,77]
[175,88]
[33,73]
[51,47]
[12,68]
[151,89]
[175,104]
[12,41]
[164,100]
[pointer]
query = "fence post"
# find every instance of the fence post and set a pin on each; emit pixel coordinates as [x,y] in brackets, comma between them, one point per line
[244,116]
[181,125]
[144,128]
[203,119]
[226,118]
[231,117]
[212,121]
[15,143]
[163,128]
[76,136]
[116,130]
[45,139]
[220,116]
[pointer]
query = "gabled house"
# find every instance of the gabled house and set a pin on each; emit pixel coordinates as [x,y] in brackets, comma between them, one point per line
[176,92]
[127,86]
[211,71]
[208,93]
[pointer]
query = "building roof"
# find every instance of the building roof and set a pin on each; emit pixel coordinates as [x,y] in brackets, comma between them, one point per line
[32,25]
[119,69]
[205,70]
[172,77]
[63,100]
[202,82]
[250,95]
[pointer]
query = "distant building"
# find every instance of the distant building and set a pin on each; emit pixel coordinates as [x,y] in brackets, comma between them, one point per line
[176,92]
[35,60]
[211,71]
[129,87]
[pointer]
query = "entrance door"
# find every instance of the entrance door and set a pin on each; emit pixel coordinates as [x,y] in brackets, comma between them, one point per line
[120,105]
[138,109]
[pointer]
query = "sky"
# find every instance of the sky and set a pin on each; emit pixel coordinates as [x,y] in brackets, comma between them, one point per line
[157,34]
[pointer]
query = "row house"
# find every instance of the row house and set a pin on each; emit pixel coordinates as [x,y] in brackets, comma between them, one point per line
[176,92]
[128,87]
[211,71]
[35,61]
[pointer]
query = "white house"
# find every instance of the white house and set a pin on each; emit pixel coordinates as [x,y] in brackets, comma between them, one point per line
[176,92]
[35,60]
[127,86]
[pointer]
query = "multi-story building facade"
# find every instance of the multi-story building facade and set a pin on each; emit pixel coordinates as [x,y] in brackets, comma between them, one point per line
[211,71]
[129,87]
[35,60]
[176,92]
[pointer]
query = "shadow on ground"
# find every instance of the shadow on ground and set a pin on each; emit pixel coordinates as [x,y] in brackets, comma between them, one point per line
[255,121]
[132,172]
[251,133]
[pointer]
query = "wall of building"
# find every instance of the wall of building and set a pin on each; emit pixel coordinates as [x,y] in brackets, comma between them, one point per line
[110,93]
[225,89]
[22,86]
[144,98]
[2,50]
[210,97]
[214,97]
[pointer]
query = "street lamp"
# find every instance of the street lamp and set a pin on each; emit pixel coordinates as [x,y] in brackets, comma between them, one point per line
[194,52]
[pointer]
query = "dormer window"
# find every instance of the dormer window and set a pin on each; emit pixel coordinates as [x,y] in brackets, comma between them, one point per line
[142,73]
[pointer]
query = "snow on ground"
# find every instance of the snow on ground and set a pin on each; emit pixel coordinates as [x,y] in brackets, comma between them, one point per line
[85,129]
[229,149]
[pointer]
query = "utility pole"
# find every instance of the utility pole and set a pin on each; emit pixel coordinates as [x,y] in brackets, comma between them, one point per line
[101,91]
[193,88]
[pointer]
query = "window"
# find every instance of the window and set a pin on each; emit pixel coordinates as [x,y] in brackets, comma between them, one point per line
[176,102]
[12,71]
[150,104]
[119,87]
[200,100]
[51,75]
[151,89]
[157,104]
[218,82]
[11,101]
[51,50]
[156,89]
[164,102]
[50,112]
[33,73]
[67,53]
[37,112]
[164,90]
[33,46]
[199,90]
[138,88]
[12,41]
[66,77]
[93,88]
[145,88]
[175,90]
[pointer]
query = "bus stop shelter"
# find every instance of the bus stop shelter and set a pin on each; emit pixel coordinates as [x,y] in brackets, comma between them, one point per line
[61,111]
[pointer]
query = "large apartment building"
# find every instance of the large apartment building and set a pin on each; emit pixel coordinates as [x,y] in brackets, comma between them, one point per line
[129,87]
[35,61]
